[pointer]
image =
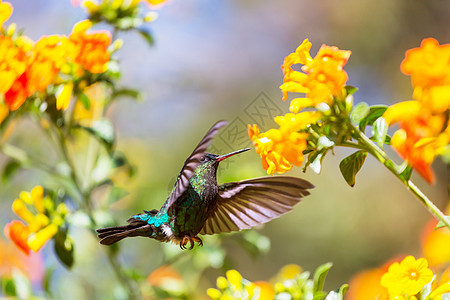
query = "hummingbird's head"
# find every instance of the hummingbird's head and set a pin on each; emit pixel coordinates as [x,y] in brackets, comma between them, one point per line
[214,159]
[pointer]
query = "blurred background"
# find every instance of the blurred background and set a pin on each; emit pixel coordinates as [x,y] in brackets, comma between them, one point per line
[216,59]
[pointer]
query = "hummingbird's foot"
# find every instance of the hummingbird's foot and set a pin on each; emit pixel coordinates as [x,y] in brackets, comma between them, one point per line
[187,238]
[198,240]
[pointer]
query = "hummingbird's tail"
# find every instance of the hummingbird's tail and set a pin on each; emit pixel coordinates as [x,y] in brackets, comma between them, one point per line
[112,235]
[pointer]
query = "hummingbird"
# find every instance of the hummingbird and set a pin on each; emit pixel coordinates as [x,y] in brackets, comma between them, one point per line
[198,205]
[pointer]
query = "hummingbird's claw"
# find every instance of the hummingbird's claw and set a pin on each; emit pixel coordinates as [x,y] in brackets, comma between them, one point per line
[186,239]
[198,240]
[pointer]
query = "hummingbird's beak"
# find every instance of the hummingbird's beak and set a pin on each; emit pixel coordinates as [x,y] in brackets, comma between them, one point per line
[222,157]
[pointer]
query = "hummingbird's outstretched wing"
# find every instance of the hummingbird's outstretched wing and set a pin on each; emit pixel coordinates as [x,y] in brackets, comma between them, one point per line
[192,162]
[244,204]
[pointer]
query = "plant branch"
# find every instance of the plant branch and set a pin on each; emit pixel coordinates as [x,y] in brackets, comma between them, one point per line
[381,156]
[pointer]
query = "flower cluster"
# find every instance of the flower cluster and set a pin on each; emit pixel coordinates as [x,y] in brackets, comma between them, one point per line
[291,282]
[323,75]
[234,286]
[322,81]
[282,148]
[27,67]
[41,226]
[424,129]
[406,278]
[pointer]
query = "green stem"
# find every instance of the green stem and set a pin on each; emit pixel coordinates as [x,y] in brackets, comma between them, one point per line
[86,196]
[381,156]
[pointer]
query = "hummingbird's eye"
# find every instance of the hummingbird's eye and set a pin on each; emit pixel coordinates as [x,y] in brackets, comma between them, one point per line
[203,158]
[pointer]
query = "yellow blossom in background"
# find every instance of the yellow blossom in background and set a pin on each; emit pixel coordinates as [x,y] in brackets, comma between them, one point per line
[4,112]
[156,4]
[64,95]
[407,277]
[96,95]
[6,10]
[12,63]
[436,245]
[91,47]
[42,224]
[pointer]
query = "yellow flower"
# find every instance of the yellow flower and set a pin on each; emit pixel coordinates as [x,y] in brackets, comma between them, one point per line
[428,65]
[290,271]
[96,95]
[266,291]
[6,10]
[441,289]
[279,149]
[221,282]
[37,240]
[407,277]
[63,98]
[235,279]
[323,75]
[213,293]
[156,4]
[420,137]
[4,112]
[91,48]
[41,226]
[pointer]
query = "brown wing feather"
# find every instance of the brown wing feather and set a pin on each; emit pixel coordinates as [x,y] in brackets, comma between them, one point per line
[192,162]
[244,204]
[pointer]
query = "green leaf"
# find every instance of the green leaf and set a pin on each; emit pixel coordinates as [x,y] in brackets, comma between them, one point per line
[11,167]
[351,165]
[145,33]
[343,289]
[85,101]
[8,286]
[127,92]
[441,224]
[350,89]
[360,111]
[319,276]
[375,112]
[64,248]
[406,173]
[380,129]
[103,130]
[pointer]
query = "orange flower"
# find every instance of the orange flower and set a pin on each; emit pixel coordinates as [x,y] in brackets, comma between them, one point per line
[18,92]
[421,136]
[436,244]
[18,233]
[50,53]
[323,76]
[164,275]
[12,63]
[91,47]
[279,149]
[366,285]
[428,65]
